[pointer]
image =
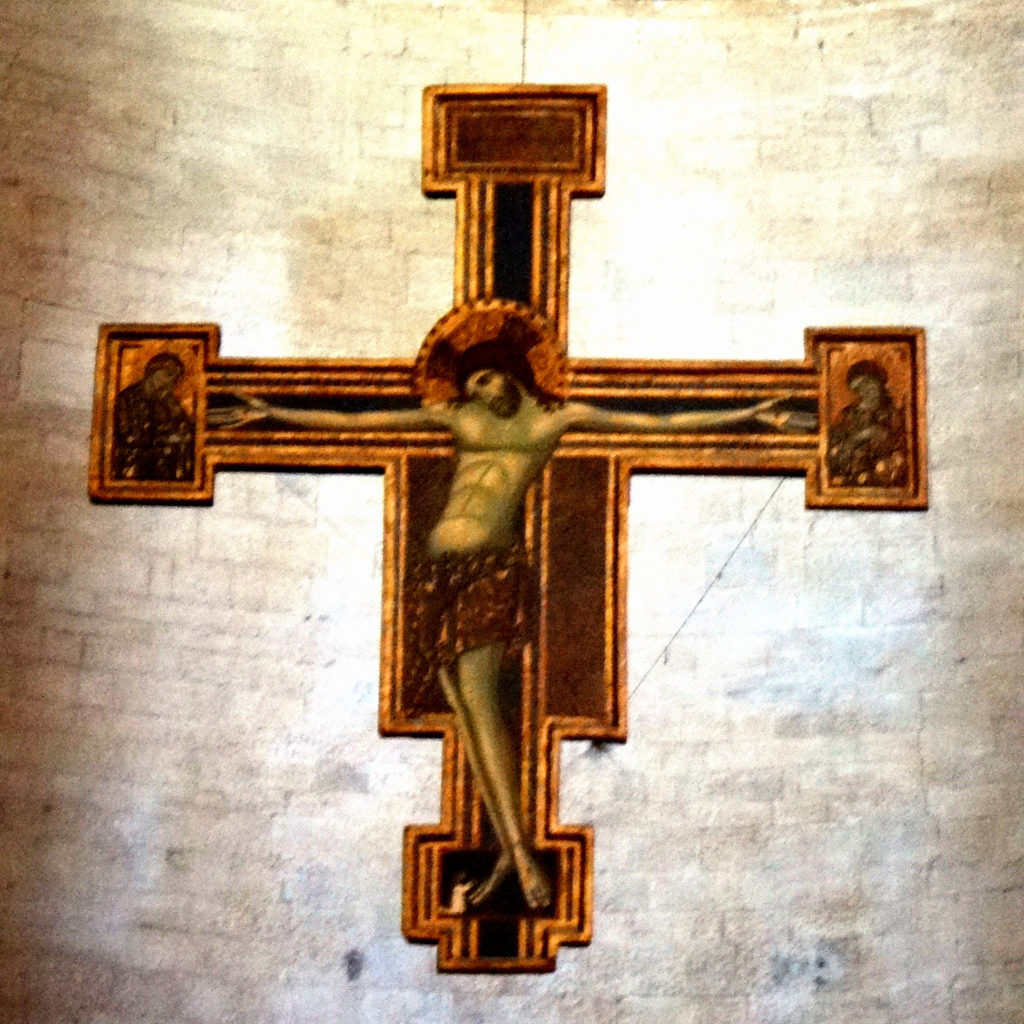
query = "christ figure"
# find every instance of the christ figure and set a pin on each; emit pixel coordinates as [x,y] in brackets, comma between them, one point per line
[506,417]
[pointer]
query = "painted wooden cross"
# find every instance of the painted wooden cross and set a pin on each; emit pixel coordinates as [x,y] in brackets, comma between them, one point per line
[506,470]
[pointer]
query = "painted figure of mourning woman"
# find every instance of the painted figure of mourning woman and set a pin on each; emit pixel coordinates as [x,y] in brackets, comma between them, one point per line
[867,447]
[153,434]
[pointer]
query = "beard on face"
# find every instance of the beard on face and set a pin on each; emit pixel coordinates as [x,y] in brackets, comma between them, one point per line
[506,403]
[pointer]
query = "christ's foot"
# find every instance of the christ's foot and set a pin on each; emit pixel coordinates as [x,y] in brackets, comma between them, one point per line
[486,889]
[532,880]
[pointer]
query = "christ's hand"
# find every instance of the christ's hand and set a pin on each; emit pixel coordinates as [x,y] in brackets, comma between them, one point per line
[767,412]
[788,420]
[253,410]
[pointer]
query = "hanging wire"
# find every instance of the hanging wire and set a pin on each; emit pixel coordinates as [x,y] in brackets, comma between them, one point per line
[707,590]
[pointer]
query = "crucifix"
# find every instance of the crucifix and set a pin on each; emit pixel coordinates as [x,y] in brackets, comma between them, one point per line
[506,474]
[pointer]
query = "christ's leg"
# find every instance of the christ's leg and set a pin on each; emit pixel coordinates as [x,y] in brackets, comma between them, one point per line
[474,698]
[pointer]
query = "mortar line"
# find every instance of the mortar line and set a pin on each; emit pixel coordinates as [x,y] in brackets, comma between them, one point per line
[707,590]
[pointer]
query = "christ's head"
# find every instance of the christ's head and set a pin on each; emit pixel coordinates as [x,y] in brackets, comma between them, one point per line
[497,389]
[512,340]
[497,374]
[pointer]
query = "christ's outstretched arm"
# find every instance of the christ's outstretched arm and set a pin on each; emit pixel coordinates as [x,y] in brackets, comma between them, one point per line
[580,416]
[425,417]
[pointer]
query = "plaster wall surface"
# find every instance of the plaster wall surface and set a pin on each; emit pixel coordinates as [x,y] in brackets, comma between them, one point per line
[818,814]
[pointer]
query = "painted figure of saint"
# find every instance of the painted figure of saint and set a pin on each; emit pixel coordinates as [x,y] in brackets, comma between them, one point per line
[868,445]
[491,375]
[154,437]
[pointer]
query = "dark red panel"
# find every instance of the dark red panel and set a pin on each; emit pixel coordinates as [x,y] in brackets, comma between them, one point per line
[529,139]
[577,569]
[429,481]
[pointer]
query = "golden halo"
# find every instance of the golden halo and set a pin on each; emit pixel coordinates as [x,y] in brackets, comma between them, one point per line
[494,332]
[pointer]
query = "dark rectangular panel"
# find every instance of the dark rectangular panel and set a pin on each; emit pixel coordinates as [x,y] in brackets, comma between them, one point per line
[513,242]
[575,611]
[429,481]
[528,140]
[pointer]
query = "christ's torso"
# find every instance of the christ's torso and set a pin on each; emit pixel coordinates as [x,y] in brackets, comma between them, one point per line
[496,461]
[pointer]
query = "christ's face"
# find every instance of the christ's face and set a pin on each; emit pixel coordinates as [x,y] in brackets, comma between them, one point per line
[494,389]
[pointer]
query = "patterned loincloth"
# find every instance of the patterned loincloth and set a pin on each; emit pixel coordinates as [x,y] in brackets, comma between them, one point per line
[458,602]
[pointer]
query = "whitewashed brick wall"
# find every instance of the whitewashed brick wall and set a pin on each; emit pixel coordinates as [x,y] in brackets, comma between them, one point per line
[818,816]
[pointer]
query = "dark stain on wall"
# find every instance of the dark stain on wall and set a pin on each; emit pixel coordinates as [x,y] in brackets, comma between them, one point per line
[354,963]
[825,966]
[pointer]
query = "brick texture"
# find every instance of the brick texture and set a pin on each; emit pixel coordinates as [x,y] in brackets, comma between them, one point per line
[818,814]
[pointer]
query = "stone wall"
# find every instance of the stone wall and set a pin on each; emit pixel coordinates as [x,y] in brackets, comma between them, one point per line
[817,816]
